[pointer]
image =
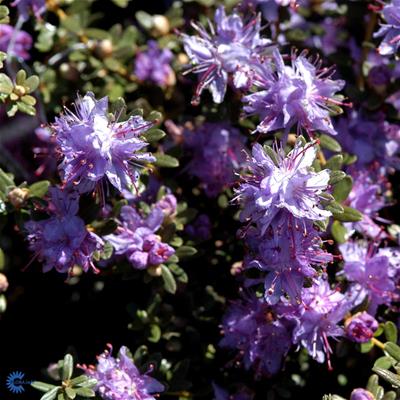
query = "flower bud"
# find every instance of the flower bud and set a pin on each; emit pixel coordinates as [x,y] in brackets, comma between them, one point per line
[360,328]
[361,394]
[3,283]
[18,196]
[161,25]
[154,270]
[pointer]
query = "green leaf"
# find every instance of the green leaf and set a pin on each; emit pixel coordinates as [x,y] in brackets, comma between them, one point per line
[373,383]
[85,392]
[42,386]
[3,57]
[155,116]
[349,215]
[390,330]
[2,259]
[272,154]
[168,278]
[329,143]
[121,3]
[179,272]
[45,39]
[144,19]
[366,347]
[20,77]
[39,189]
[339,232]
[154,135]
[185,251]
[25,108]
[166,161]
[70,393]
[29,100]
[68,367]
[6,85]
[51,394]
[384,362]
[88,383]
[322,225]
[335,208]
[390,396]
[3,303]
[336,176]
[154,334]
[32,83]
[342,189]
[388,376]
[393,350]
[335,162]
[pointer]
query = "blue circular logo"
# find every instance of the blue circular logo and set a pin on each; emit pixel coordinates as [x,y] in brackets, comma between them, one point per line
[15,382]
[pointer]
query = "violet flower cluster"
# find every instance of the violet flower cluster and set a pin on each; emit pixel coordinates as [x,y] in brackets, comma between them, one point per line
[93,148]
[62,240]
[281,197]
[229,50]
[136,238]
[22,41]
[154,65]
[119,378]
[217,153]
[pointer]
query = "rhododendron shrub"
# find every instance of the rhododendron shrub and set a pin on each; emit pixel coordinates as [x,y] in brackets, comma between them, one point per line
[198,199]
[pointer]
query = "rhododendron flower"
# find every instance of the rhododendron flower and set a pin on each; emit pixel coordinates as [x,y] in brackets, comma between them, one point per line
[22,41]
[119,378]
[217,150]
[154,65]
[289,185]
[289,252]
[361,327]
[391,30]
[136,238]
[317,320]
[262,339]
[94,148]
[62,240]
[299,95]
[371,273]
[38,7]
[231,47]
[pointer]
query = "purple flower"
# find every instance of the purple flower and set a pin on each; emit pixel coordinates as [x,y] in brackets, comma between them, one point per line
[22,41]
[372,274]
[94,148]
[62,240]
[390,31]
[167,204]
[200,228]
[263,339]
[370,138]
[269,8]
[288,184]
[217,150]
[231,47]
[243,393]
[318,316]
[136,238]
[302,94]
[361,394]
[38,7]
[288,251]
[360,328]
[154,65]
[365,197]
[119,379]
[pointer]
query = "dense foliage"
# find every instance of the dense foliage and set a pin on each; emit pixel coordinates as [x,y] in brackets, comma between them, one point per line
[198,199]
